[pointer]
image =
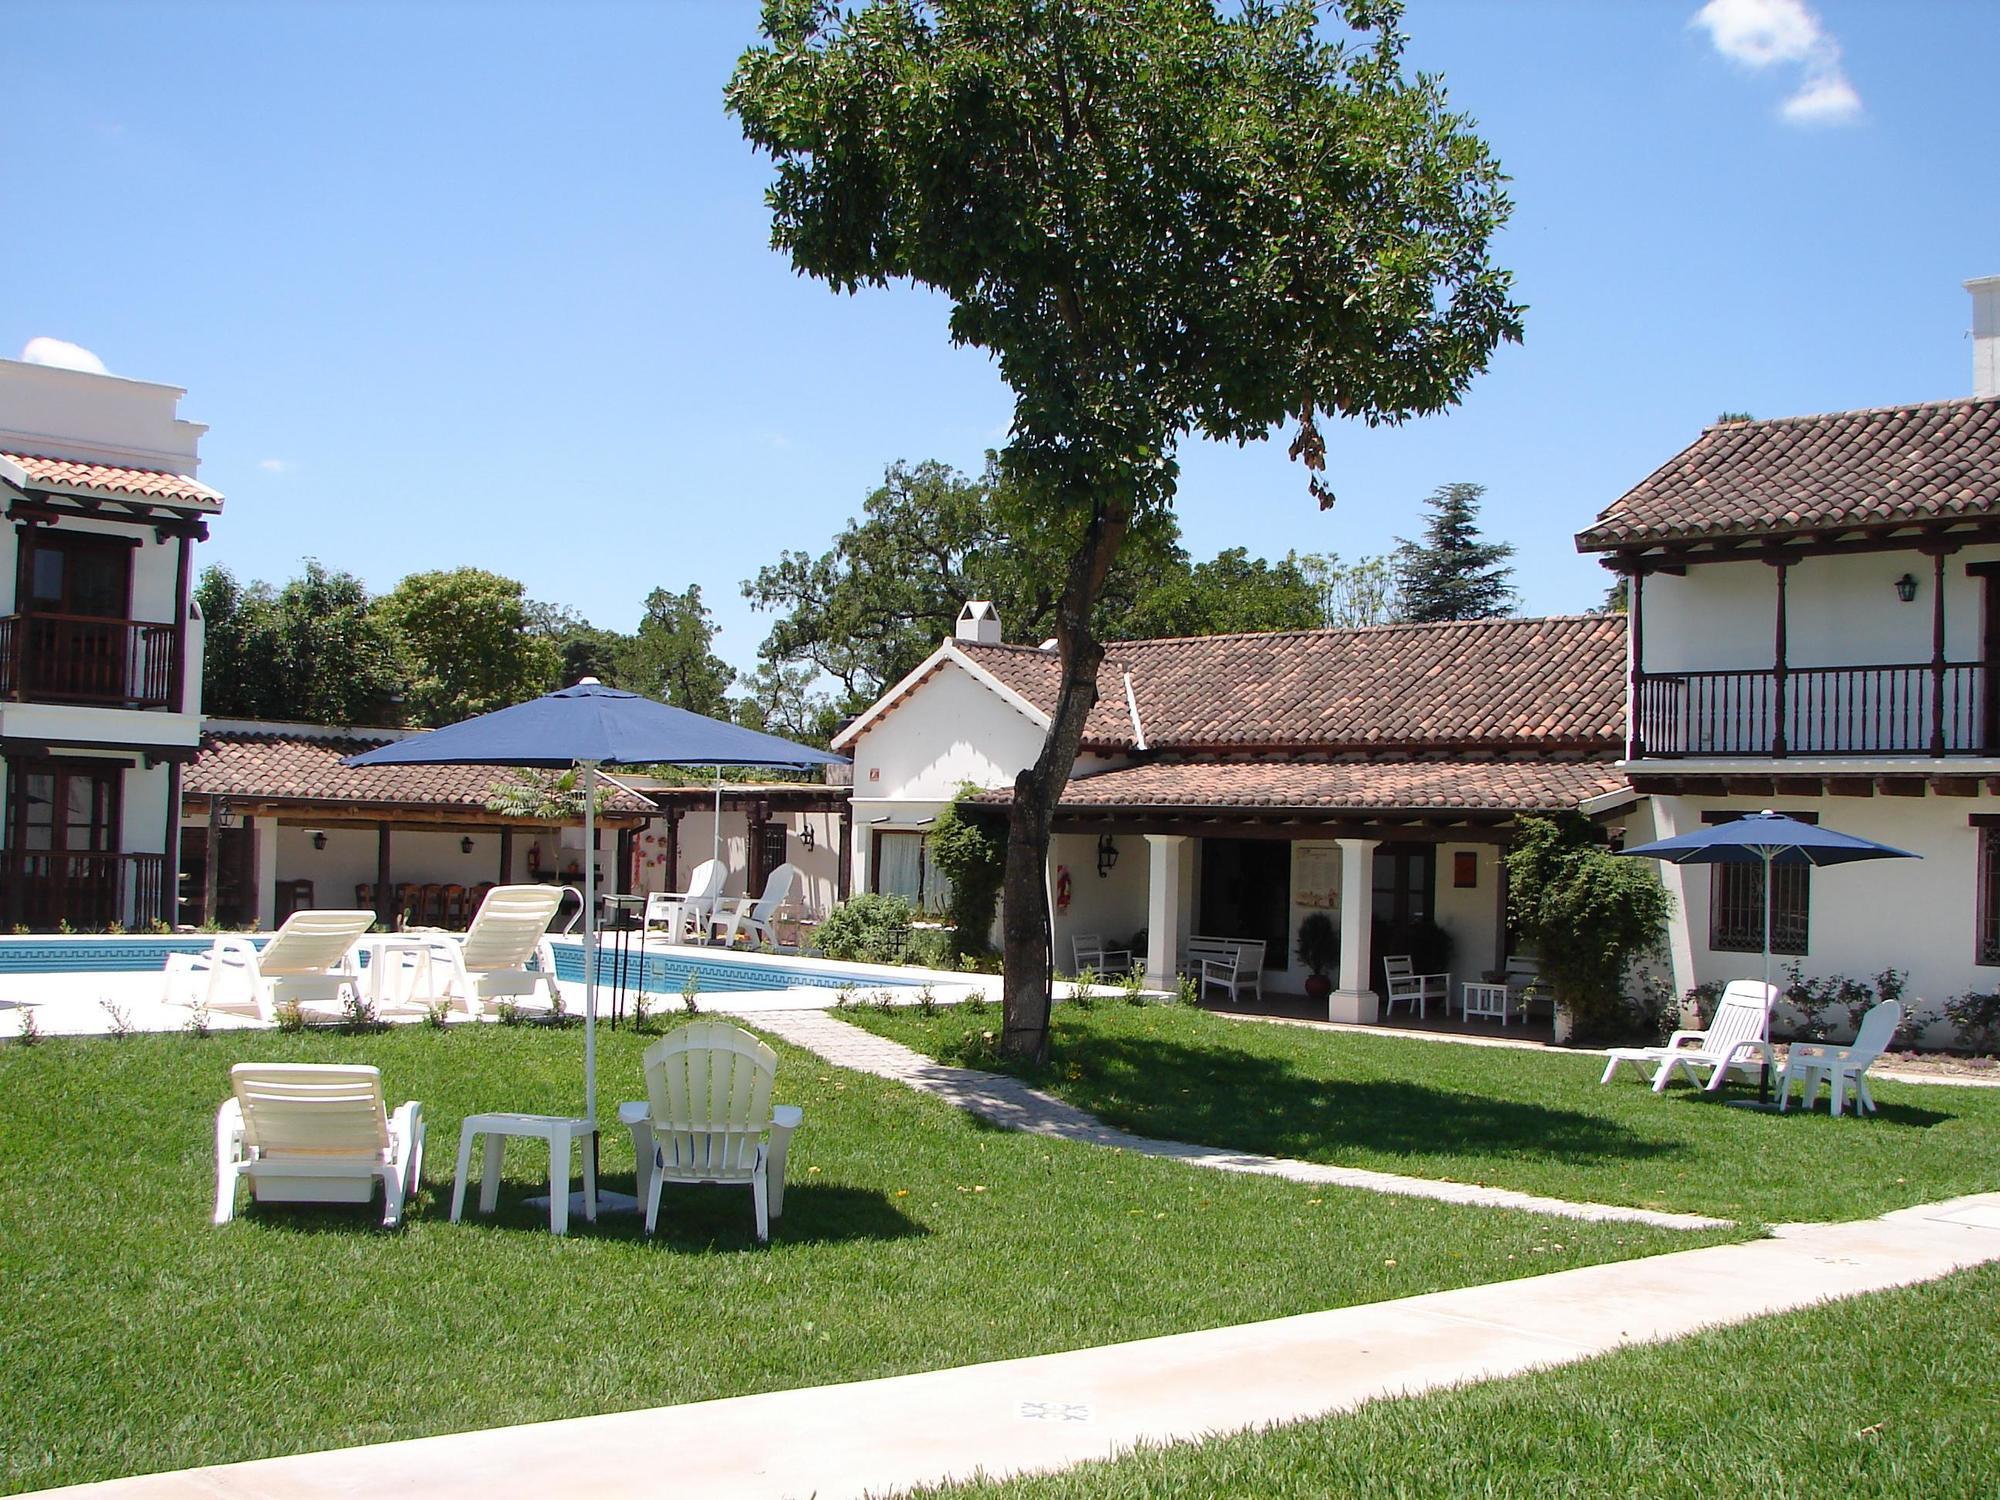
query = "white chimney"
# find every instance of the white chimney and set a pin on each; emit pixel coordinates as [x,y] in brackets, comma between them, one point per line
[979,621]
[1985,335]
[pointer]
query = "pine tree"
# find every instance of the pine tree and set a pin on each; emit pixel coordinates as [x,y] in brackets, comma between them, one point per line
[1451,574]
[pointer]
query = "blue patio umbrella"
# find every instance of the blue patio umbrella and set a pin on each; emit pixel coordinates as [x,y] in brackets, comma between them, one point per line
[588,726]
[1766,838]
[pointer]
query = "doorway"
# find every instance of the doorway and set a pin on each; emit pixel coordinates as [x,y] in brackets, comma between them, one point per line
[62,843]
[1246,892]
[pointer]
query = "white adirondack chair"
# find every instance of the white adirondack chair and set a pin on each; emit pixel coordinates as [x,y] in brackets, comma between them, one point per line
[490,962]
[1809,1064]
[1739,1037]
[1406,987]
[315,1133]
[759,917]
[709,1118]
[687,915]
[307,962]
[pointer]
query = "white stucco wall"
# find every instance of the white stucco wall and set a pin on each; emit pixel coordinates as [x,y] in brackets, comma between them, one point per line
[96,418]
[1112,906]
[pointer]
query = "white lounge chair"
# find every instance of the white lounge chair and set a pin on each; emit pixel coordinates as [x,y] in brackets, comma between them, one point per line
[1738,1038]
[708,1118]
[1406,987]
[1092,956]
[315,1133]
[1809,1064]
[759,917]
[490,962]
[307,962]
[687,915]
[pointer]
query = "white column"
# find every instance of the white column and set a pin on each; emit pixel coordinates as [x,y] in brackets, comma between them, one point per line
[1164,855]
[264,860]
[1354,1000]
[1667,823]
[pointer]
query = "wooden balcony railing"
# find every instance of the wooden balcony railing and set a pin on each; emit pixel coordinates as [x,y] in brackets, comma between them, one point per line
[86,659]
[1903,709]
[41,889]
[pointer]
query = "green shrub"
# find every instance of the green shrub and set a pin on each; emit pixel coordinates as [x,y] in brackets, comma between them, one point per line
[867,929]
[969,847]
[930,948]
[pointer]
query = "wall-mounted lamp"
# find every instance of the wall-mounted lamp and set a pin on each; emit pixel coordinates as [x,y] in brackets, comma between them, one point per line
[465,844]
[1107,855]
[319,838]
[1906,588]
[225,815]
[806,837]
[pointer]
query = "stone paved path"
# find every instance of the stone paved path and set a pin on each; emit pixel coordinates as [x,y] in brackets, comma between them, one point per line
[1010,1103]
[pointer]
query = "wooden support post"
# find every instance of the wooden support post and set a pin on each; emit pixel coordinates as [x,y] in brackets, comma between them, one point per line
[1635,739]
[1779,671]
[506,857]
[385,889]
[177,678]
[170,850]
[1937,650]
[844,880]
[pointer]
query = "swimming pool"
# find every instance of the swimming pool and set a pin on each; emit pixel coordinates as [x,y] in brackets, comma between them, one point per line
[718,972]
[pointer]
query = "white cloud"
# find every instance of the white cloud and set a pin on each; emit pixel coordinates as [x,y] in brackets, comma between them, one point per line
[63,355]
[273,465]
[1785,33]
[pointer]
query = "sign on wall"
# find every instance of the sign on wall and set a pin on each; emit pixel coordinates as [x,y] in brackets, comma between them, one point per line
[1316,876]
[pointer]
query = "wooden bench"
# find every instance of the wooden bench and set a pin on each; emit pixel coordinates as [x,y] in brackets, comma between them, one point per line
[1229,964]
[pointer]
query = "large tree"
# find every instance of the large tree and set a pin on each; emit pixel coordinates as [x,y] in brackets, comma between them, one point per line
[1160,221]
[1350,595]
[1233,593]
[310,651]
[1451,574]
[670,656]
[468,643]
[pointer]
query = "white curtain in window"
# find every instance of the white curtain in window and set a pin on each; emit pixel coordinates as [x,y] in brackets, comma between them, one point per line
[899,867]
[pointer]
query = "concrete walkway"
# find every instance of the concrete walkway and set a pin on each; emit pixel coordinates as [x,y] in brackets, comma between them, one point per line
[1012,1104]
[1048,1412]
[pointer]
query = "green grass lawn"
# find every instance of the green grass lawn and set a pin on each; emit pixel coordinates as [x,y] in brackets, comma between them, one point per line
[141,1337]
[1895,1395]
[1534,1120]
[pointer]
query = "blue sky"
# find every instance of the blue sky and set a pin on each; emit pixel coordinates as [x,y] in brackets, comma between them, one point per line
[491,284]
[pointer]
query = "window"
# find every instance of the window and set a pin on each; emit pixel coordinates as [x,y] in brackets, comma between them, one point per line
[1736,900]
[1989,896]
[903,868]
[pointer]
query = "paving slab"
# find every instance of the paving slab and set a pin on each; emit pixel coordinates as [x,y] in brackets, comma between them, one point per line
[1051,1411]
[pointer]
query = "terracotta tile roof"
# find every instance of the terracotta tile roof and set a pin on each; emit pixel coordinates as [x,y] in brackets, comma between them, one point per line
[154,484]
[1891,466]
[297,767]
[1489,684]
[1506,786]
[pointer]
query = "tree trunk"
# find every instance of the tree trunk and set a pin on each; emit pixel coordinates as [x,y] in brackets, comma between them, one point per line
[1025,932]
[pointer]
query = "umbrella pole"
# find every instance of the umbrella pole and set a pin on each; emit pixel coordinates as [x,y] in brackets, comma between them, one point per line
[1764,1073]
[590,945]
[715,843]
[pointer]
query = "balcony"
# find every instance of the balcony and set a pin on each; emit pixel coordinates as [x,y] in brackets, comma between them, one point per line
[1927,709]
[41,888]
[46,658]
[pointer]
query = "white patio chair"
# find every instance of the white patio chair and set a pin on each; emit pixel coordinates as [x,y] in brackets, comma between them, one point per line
[759,917]
[1091,954]
[307,962]
[687,915]
[1738,1038]
[315,1133]
[709,1118]
[1406,987]
[1231,965]
[489,962]
[1809,1064]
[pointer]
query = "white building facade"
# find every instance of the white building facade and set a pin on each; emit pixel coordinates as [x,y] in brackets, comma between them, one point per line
[100,647]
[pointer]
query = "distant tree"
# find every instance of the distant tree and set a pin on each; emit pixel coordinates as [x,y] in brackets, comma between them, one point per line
[1232,594]
[1451,574]
[1351,595]
[870,609]
[1158,219]
[779,699]
[312,651]
[468,643]
[1733,416]
[582,648]
[1617,598]
[669,656]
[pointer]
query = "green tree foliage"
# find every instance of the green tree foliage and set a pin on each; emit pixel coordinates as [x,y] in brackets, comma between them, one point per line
[1588,913]
[1159,220]
[1451,574]
[467,642]
[1350,595]
[311,651]
[582,649]
[779,699]
[669,658]
[545,796]
[1236,592]
[969,847]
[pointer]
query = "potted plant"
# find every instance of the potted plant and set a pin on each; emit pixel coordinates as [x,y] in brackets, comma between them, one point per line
[1319,950]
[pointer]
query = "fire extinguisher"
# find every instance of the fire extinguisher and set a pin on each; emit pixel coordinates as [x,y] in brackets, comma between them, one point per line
[1062,887]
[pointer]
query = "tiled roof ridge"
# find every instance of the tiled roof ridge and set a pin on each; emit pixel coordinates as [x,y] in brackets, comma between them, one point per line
[1800,418]
[1111,648]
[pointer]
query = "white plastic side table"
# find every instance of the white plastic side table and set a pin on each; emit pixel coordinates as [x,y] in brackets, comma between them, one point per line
[559,1131]
[1488,1000]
